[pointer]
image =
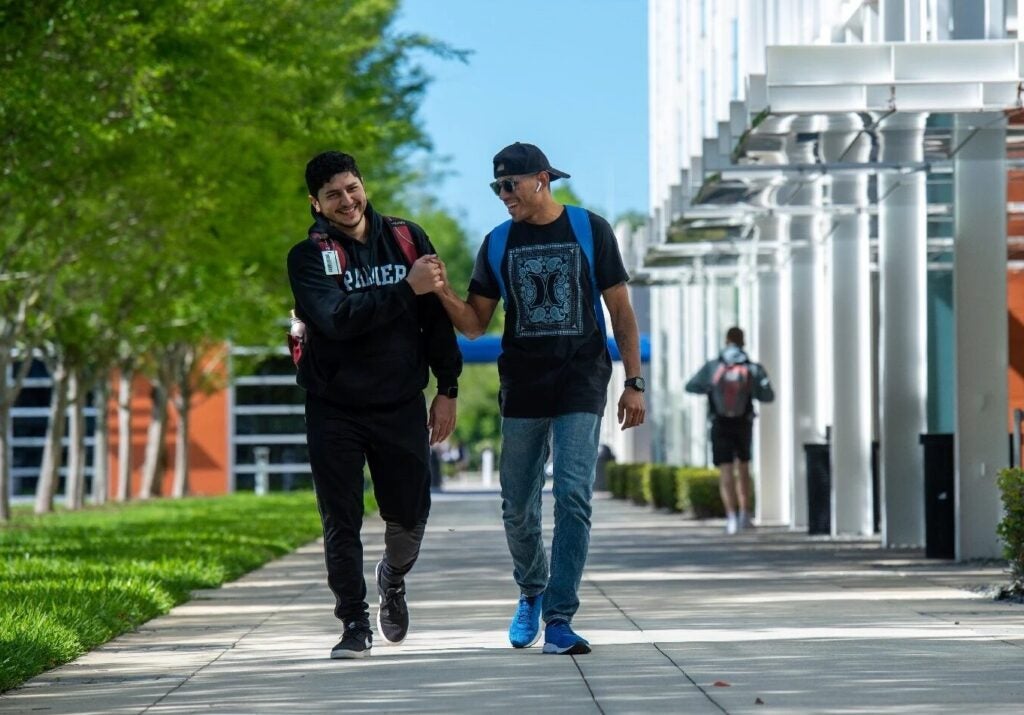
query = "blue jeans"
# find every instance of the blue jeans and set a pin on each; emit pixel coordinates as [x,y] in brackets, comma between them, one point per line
[524,450]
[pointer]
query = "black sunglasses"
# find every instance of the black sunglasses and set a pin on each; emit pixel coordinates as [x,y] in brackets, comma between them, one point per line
[509,185]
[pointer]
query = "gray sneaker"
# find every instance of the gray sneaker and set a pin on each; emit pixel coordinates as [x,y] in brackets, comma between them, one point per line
[393,613]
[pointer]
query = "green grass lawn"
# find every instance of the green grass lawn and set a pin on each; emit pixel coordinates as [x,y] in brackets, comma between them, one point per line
[73,580]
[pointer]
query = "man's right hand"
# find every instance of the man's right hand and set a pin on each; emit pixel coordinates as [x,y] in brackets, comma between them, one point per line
[425,275]
[445,285]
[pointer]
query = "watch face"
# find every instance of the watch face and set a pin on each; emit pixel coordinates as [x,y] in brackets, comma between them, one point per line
[636,383]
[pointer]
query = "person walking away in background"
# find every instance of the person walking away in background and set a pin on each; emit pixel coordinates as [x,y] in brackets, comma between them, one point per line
[732,382]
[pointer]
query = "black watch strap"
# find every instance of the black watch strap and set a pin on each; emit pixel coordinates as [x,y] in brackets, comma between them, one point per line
[637,383]
[450,392]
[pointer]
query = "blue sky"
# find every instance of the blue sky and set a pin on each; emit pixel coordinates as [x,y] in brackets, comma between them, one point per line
[567,75]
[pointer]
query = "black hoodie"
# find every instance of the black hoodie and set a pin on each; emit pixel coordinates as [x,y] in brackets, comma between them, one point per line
[369,339]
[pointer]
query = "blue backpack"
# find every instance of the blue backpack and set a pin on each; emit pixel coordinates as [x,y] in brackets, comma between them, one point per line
[580,222]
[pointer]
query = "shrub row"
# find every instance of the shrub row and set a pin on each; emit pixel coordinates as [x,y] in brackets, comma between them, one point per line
[689,489]
[1011,528]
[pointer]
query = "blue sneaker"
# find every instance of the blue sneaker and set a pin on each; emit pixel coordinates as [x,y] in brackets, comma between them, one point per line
[559,638]
[524,630]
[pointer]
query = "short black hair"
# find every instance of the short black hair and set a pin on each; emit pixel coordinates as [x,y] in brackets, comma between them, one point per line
[735,336]
[323,166]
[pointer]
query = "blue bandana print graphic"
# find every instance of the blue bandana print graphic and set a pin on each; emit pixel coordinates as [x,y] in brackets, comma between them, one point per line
[545,285]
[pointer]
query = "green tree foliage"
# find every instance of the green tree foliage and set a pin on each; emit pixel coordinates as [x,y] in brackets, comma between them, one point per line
[563,193]
[634,219]
[151,161]
[448,238]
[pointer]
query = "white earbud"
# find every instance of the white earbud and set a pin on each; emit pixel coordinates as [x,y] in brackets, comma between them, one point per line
[539,185]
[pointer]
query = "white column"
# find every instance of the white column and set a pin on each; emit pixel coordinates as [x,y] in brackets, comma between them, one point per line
[746,294]
[659,375]
[774,472]
[852,511]
[712,322]
[979,304]
[903,361]
[804,274]
[893,14]
[673,324]
[697,407]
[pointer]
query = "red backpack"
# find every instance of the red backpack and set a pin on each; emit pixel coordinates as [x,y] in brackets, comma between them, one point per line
[402,237]
[731,389]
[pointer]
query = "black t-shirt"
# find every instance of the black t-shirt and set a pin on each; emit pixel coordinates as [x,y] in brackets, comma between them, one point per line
[554,359]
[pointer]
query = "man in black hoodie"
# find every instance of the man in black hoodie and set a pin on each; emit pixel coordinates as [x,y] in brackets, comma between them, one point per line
[371,327]
[732,382]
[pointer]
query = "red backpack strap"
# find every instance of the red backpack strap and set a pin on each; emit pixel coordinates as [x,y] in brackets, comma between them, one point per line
[326,243]
[403,238]
[719,371]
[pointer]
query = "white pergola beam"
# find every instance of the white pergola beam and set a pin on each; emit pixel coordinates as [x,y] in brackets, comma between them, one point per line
[955,76]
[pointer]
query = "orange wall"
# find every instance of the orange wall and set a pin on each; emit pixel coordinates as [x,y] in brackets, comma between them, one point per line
[1015,305]
[208,441]
[1015,295]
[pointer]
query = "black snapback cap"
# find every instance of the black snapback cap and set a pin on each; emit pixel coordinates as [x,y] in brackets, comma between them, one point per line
[520,158]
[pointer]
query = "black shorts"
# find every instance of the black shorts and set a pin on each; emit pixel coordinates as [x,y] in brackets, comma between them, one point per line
[730,440]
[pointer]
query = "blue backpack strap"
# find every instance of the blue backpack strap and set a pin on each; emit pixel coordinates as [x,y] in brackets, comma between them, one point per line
[579,219]
[496,244]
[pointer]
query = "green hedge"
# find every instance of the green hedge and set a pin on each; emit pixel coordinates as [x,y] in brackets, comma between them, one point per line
[663,486]
[1011,528]
[699,493]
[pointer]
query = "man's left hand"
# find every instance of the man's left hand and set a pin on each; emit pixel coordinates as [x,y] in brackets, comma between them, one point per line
[441,422]
[631,408]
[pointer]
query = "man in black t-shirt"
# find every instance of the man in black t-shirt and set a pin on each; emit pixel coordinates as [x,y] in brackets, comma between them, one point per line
[551,264]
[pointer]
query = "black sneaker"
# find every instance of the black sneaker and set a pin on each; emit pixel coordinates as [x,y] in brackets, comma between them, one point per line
[393,614]
[356,641]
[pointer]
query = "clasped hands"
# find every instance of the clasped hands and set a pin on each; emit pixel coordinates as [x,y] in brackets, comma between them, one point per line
[428,275]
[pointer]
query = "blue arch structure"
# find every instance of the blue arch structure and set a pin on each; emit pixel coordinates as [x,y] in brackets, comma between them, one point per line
[487,348]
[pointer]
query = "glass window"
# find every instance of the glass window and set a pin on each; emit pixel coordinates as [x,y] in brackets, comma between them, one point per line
[279,454]
[270,424]
[269,395]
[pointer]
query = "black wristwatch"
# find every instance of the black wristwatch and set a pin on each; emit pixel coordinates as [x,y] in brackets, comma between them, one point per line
[637,383]
[449,392]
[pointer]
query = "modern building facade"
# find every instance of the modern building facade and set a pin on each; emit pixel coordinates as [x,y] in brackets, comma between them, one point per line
[839,178]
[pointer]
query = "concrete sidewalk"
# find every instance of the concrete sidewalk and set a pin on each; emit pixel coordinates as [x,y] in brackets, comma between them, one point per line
[682,618]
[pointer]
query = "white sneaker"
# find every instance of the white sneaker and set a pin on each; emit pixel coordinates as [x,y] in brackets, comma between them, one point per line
[732,523]
[745,521]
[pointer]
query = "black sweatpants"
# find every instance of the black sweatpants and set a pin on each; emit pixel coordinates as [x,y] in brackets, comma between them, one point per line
[393,441]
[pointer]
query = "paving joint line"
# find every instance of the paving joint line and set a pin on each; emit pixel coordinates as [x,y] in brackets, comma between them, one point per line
[230,647]
[678,667]
[587,683]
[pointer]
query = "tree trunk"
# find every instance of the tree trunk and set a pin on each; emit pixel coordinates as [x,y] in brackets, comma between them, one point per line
[185,359]
[74,489]
[49,470]
[154,463]
[5,465]
[181,450]
[101,443]
[124,434]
